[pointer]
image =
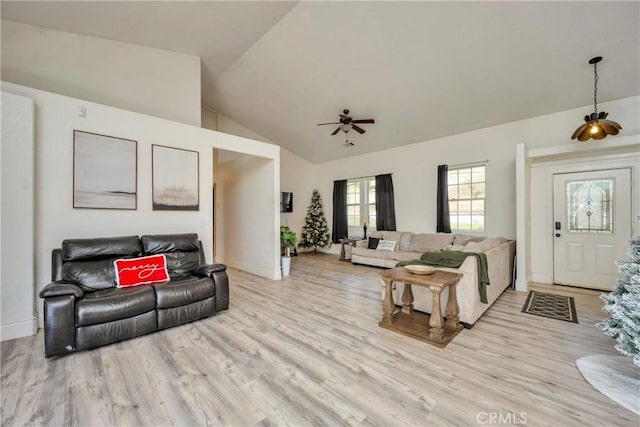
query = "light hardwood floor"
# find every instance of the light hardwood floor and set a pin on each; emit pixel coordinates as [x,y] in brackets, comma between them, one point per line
[307,351]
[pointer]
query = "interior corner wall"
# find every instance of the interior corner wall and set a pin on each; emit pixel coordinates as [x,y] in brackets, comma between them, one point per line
[151,81]
[249,195]
[17,301]
[56,219]
[226,125]
[209,118]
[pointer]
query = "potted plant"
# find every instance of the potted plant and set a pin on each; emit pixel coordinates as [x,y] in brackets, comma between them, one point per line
[288,240]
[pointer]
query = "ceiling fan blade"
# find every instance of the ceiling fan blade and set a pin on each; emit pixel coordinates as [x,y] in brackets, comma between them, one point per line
[363,121]
[332,123]
[336,131]
[357,128]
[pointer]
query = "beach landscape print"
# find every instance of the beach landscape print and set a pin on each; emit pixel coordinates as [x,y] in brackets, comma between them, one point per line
[175,179]
[104,172]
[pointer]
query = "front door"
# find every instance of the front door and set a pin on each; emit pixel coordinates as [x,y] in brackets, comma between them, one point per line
[592,225]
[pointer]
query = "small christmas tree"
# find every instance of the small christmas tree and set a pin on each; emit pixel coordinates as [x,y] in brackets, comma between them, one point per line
[623,305]
[315,233]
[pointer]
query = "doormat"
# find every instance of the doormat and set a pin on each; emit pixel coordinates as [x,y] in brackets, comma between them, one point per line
[551,305]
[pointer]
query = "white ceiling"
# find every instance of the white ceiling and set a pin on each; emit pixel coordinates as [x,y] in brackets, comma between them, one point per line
[422,70]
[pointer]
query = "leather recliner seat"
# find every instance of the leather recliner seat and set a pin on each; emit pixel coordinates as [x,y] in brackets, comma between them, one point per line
[84,309]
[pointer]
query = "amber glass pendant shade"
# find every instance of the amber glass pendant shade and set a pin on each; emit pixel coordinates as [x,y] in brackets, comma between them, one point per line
[597,126]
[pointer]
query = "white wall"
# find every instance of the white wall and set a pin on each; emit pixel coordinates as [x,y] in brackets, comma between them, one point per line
[414,166]
[136,78]
[298,177]
[250,189]
[17,225]
[55,218]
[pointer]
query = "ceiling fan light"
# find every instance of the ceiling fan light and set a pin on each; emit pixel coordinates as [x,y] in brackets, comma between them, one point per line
[346,127]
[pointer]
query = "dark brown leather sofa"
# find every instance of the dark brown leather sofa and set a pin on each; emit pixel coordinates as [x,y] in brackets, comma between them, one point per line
[84,309]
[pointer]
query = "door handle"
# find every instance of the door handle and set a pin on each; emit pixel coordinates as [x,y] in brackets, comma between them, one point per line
[557,234]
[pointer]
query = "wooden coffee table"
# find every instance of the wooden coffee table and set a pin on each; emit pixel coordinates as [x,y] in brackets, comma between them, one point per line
[431,329]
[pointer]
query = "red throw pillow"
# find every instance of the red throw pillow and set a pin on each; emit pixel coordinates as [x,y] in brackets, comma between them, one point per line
[138,271]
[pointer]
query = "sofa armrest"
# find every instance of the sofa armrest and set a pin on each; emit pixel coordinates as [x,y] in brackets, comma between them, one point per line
[207,270]
[60,288]
[59,325]
[362,243]
[217,272]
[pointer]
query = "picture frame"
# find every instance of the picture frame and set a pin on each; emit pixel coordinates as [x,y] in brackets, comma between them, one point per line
[105,172]
[175,179]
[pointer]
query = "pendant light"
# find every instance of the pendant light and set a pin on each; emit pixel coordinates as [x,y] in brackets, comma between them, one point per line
[596,126]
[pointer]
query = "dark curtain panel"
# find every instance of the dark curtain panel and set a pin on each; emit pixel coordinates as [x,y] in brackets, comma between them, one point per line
[340,229]
[443,225]
[385,207]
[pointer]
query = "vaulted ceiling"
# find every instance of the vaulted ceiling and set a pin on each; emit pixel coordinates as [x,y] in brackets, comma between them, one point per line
[422,70]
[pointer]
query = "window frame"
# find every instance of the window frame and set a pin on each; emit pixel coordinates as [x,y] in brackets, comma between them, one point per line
[455,215]
[365,184]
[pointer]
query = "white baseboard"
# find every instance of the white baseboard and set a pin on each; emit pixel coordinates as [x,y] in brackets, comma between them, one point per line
[522,285]
[24,328]
[253,269]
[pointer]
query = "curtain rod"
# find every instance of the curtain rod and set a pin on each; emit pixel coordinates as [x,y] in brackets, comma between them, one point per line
[367,176]
[478,163]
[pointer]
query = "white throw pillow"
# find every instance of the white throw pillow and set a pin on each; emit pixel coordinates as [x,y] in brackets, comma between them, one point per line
[386,245]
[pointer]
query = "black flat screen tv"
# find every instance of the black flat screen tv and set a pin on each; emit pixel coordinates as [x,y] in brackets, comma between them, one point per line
[286,202]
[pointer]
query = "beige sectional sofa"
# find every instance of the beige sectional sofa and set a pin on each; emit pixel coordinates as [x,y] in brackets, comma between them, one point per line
[499,251]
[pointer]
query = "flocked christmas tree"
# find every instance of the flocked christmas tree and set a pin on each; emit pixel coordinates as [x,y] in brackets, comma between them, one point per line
[623,305]
[315,233]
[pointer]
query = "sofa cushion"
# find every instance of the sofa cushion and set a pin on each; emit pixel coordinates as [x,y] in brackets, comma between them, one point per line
[95,274]
[392,235]
[405,241]
[107,247]
[472,247]
[184,290]
[430,242]
[114,304]
[406,256]
[138,271]
[181,250]
[372,253]
[373,243]
[491,243]
[463,239]
[163,243]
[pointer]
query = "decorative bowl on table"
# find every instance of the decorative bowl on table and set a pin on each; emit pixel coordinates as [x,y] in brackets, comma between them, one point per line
[420,269]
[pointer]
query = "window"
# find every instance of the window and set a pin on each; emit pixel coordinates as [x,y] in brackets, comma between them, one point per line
[590,206]
[467,198]
[361,205]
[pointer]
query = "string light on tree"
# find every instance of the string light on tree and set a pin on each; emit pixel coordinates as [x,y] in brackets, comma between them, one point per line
[315,232]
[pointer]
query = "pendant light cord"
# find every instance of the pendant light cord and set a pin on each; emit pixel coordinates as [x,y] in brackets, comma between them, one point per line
[595,87]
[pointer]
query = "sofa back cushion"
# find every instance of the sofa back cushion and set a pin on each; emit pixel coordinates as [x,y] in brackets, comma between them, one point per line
[87,249]
[402,238]
[90,261]
[182,251]
[430,242]
[95,274]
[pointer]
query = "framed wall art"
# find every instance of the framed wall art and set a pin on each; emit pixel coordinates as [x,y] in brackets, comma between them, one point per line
[105,171]
[175,179]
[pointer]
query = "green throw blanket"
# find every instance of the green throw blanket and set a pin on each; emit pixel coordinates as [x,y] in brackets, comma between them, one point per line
[454,259]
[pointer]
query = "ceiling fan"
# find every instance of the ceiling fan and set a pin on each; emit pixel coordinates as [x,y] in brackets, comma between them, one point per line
[347,123]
